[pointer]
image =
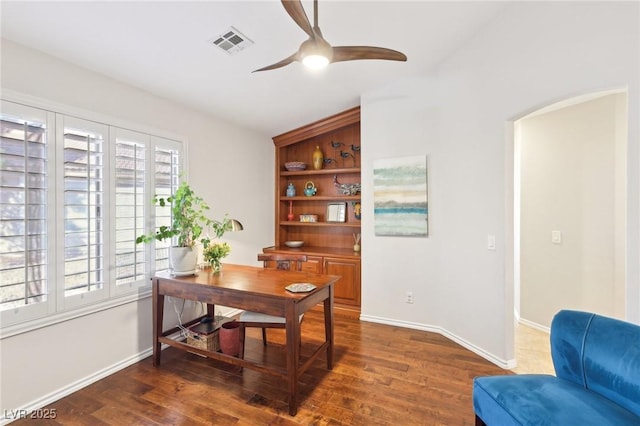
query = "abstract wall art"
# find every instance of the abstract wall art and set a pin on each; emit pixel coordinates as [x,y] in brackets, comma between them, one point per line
[400,196]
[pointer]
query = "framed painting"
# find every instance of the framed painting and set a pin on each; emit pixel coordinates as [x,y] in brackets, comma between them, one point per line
[400,196]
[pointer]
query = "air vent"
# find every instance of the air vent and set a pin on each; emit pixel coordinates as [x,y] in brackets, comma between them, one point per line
[231,41]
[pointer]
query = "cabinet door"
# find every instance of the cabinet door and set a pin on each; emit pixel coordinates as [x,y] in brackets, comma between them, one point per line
[347,288]
[313,264]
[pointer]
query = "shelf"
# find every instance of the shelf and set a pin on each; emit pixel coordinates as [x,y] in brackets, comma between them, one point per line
[322,172]
[322,198]
[319,224]
[315,251]
[329,245]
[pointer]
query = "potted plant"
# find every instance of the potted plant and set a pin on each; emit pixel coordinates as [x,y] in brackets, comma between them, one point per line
[189,222]
[214,253]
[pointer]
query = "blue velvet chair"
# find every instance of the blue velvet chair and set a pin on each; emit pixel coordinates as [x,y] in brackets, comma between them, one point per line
[597,382]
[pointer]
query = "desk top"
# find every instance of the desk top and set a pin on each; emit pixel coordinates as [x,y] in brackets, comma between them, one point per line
[254,280]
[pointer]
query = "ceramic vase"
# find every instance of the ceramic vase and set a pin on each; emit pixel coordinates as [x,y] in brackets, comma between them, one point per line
[290,215]
[183,259]
[318,158]
[230,338]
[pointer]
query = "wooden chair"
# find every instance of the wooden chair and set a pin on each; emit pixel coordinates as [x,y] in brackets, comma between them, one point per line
[289,262]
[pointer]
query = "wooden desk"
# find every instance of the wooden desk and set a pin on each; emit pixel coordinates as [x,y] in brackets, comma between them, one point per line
[254,289]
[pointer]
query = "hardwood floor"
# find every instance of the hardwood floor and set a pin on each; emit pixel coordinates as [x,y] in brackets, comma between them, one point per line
[383,375]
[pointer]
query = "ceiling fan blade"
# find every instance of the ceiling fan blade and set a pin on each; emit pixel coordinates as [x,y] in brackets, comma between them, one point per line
[296,11]
[280,64]
[352,53]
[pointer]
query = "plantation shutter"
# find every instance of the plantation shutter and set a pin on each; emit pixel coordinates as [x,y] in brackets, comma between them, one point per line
[130,197]
[166,177]
[24,176]
[83,215]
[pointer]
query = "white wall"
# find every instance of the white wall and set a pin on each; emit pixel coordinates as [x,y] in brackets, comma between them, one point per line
[231,167]
[462,116]
[568,181]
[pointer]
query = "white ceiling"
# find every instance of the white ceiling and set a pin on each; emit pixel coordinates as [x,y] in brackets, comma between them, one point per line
[162,47]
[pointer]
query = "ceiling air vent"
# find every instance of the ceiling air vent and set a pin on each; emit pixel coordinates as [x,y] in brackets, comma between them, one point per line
[232,41]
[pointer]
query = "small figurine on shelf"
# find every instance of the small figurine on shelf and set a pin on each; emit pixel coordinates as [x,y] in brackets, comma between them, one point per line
[357,210]
[330,161]
[356,242]
[356,152]
[291,190]
[335,146]
[346,188]
[347,154]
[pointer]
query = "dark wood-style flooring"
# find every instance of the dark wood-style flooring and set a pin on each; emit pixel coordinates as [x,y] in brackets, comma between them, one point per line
[383,375]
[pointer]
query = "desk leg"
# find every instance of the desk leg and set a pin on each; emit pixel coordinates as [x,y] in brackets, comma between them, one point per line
[158,315]
[328,327]
[293,355]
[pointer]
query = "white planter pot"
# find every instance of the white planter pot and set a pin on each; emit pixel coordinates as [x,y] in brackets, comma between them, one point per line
[183,259]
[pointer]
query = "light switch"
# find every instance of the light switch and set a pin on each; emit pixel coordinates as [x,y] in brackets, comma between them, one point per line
[491,242]
[556,237]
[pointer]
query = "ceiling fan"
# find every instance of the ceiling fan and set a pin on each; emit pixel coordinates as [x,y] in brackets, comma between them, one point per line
[317,53]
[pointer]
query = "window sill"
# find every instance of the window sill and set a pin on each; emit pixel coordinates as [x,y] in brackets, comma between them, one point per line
[51,319]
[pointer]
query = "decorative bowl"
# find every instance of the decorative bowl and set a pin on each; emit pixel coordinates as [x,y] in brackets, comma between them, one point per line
[295,166]
[293,244]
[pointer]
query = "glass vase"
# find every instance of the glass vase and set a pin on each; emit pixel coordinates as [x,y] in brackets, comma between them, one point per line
[216,265]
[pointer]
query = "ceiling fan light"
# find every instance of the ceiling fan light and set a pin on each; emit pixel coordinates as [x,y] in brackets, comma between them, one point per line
[315,62]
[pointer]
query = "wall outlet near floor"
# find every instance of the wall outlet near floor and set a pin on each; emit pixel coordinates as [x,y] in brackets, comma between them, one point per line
[409,297]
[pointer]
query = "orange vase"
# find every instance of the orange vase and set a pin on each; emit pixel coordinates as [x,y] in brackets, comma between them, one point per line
[318,158]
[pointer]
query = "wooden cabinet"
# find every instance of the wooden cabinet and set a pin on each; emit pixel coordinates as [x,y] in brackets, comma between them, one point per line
[329,244]
[347,289]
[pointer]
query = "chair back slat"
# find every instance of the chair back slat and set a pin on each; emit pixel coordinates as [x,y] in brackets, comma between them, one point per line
[283,261]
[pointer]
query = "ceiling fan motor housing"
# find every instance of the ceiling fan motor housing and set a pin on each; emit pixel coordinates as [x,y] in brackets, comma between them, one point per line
[313,48]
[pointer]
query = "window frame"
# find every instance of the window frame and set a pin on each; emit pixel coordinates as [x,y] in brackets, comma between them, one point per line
[57,308]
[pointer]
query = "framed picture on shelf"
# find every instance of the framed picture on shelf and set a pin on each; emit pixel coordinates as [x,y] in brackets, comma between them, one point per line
[336,212]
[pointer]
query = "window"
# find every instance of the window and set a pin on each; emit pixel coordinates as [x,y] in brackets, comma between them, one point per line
[75,195]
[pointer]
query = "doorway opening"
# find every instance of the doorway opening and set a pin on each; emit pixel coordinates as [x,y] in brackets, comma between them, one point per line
[569,217]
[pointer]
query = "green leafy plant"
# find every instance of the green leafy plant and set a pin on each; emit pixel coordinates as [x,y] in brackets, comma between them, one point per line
[189,220]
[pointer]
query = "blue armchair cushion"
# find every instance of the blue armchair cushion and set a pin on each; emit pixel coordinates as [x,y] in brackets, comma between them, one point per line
[538,399]
[597,382]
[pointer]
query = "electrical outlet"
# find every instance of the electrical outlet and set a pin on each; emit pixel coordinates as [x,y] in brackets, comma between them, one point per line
[409,297]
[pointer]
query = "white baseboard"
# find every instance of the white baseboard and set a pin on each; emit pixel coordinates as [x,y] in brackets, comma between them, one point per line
[10,415]
[535,325]
[504,364]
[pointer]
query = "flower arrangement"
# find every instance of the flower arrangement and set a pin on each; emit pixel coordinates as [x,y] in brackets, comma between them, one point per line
[213,253]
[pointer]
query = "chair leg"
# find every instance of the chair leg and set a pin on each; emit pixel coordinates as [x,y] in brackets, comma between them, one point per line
[241,349]
[264,336]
